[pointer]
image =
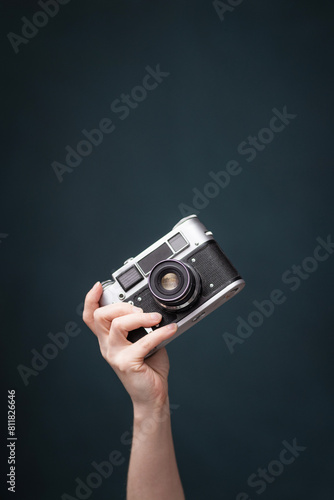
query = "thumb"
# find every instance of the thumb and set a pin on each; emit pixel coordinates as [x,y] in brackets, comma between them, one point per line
[91,304]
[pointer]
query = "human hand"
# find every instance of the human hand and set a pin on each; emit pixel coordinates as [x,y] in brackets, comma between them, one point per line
[144,379]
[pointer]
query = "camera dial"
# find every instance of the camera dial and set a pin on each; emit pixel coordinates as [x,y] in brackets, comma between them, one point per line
[174,285]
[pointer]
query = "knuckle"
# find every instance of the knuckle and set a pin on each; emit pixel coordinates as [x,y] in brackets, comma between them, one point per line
[117,323]
[121,364]
[122,367]
[146,344]
[97,314]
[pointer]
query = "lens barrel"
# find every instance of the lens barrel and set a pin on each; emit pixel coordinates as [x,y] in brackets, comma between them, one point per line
[174,285]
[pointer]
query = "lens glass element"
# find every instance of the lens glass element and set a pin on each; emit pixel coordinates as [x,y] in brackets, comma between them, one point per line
[170,281]
[174,284]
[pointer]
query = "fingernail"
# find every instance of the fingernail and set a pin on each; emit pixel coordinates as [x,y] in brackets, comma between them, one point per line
[156,316]
[172,326]
[137,309]
[96,285]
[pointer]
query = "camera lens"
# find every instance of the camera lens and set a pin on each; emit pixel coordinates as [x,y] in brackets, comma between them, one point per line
[170,281]
[174,284]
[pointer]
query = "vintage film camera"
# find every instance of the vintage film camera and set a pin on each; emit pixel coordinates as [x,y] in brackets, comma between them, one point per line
[184,276]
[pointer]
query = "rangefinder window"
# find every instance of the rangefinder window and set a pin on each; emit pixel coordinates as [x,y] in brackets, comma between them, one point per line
[177,242]
[130,278]
[160,253]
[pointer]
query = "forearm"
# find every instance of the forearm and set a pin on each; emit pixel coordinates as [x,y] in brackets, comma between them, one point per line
[153,472]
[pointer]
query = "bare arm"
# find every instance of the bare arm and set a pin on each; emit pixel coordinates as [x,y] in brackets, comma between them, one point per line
[153,472]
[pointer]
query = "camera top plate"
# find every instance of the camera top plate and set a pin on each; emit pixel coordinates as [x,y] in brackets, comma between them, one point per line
[187,235]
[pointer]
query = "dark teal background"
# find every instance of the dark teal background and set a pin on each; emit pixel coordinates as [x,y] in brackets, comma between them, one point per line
[231,411]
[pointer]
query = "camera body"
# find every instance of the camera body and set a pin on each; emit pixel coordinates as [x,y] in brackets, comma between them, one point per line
[184,276]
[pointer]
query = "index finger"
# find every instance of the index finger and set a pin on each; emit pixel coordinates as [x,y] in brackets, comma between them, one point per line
[99,318]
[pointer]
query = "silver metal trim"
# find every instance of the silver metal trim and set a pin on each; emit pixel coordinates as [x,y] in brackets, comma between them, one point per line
[182,248]
[193,232]
[184,220]
[168,258]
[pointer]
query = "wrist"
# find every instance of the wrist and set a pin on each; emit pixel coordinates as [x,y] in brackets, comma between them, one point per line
[154,411]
